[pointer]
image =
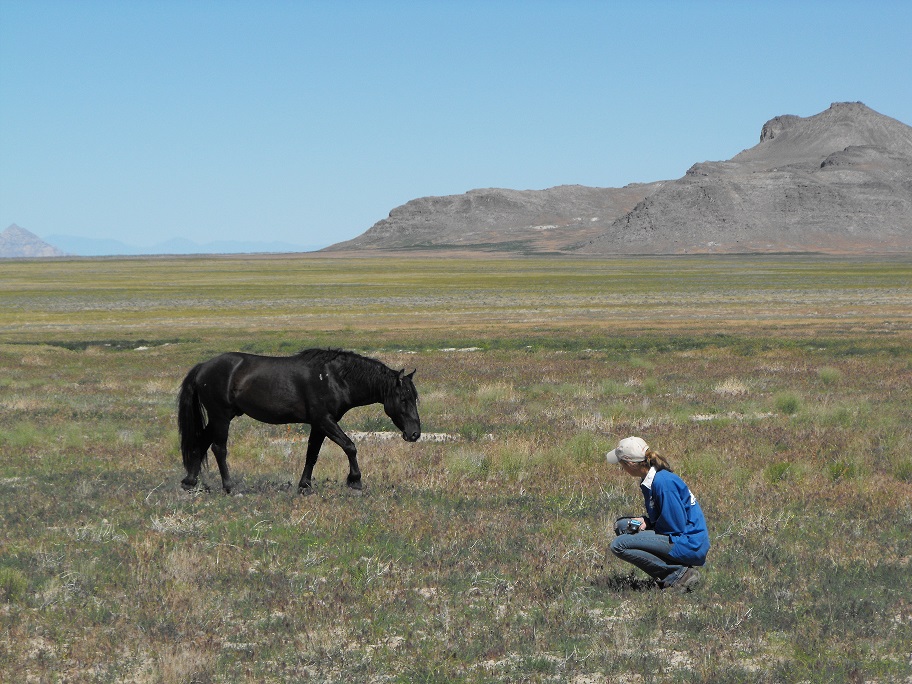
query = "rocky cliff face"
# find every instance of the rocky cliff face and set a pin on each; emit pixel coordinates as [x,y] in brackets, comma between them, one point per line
[837,182]
[18,242]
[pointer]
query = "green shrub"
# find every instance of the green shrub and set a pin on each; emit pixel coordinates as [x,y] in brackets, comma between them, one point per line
[13,585]
[640,362]
[613,388]
[788,403]
[903,471]
[842,469]
[839,416]
[650,386]
[706,464]
[468,462]
[777,472]
[22,435]
[473,431]
[829,376]
[585,447]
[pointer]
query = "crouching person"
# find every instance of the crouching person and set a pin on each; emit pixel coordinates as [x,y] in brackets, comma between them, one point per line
[671,539]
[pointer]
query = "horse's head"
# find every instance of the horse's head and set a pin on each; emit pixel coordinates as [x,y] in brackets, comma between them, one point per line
[401,405]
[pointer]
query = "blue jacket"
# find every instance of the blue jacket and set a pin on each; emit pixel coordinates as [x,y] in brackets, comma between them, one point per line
[674,511]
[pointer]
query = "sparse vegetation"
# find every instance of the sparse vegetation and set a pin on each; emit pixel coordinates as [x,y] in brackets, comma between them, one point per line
[481,558]
[788,403]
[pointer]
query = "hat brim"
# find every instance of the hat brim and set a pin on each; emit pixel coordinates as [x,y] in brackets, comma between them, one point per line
[613,456]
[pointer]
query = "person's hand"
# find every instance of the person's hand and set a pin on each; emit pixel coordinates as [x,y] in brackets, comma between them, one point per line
[642,523]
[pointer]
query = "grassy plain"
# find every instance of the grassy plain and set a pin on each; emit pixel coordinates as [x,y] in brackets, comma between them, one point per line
[778,386]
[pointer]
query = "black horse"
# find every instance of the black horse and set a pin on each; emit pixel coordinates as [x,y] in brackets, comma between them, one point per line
[316,386]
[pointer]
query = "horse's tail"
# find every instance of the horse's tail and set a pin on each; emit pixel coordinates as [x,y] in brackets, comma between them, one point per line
[191,423]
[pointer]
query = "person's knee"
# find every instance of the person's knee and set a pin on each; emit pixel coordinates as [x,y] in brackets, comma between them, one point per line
[618,546]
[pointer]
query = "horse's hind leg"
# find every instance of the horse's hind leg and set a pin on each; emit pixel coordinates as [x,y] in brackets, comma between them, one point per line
[190,482]
[314,442]
[194,464]
[219,432]
[192,478]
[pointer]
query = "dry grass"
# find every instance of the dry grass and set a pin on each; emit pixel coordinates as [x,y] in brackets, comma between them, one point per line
[779,388]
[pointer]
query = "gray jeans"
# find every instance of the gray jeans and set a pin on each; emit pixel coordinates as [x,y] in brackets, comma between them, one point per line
[651,553]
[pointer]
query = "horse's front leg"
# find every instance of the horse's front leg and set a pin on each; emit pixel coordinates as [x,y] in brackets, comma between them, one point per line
[337,435]
[314,442]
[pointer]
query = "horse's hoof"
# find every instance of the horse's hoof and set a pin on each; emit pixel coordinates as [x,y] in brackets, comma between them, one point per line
[357,486]
[234,487]
[306,491]
[195,487]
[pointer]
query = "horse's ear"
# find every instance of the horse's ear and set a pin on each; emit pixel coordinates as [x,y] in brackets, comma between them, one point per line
[399,376]
[412,374]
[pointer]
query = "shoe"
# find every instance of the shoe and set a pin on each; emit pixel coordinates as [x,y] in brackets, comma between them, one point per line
[686,582]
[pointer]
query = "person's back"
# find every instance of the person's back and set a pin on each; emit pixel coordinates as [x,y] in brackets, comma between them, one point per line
[678,515]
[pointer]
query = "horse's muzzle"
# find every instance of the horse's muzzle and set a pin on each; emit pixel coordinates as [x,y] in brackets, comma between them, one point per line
[411,436]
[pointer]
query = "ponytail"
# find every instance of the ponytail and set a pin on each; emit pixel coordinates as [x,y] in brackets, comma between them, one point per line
[657,461]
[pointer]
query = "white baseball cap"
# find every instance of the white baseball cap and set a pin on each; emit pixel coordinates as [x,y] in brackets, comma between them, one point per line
[629,449]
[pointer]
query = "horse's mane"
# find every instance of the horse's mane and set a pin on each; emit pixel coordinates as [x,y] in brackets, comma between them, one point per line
[351,365]
[331,354]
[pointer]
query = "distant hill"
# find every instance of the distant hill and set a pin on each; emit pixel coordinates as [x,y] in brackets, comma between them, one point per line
[499,219]
[16,242]
[106,247]
[836,182]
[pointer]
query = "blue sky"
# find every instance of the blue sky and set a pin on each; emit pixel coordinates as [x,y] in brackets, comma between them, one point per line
[307,122]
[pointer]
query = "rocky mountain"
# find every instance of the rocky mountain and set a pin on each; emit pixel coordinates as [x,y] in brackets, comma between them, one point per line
[836,182]
[500,219]
[18,242]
